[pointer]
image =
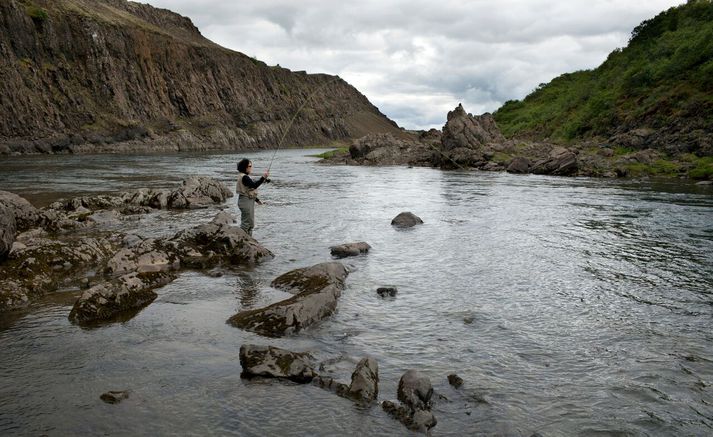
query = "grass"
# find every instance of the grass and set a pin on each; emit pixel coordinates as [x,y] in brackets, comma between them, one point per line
[37,13]
[331,153]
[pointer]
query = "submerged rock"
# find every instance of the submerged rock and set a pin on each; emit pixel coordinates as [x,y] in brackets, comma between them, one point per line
[317,289]
[272,362]
[349,249]
[109,299]
[386,291]
[114,397]
[406,220]
[455,380]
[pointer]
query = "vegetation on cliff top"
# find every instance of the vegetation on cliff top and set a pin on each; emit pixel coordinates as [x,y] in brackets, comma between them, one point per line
[663,79]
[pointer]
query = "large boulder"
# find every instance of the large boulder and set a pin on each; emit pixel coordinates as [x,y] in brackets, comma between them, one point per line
[7,231]
[415,390]
[468,140]
[318,288]
[109,299]
[349,249]
[148,255]
[272,362]
[26,215]
[561,162]
[406,220]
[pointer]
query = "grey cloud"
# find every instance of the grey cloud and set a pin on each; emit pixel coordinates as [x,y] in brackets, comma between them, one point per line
[418,59]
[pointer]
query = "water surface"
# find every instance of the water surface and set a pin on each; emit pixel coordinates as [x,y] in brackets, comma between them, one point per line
[570,306]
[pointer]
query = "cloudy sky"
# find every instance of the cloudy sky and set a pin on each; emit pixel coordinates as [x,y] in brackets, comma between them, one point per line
[417,59]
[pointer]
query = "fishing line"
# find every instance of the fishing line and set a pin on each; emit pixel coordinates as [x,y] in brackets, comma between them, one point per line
[294,116]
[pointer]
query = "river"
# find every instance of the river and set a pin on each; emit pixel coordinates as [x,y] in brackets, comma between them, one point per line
[570,306]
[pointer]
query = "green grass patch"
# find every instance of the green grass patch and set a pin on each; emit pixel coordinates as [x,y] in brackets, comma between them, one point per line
[331,153]
[703,169]
[37,13]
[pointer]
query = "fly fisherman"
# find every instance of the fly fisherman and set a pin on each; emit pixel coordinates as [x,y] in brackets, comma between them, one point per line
[247,194]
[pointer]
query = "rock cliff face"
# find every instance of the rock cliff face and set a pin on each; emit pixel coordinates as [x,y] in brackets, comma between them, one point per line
[84,76]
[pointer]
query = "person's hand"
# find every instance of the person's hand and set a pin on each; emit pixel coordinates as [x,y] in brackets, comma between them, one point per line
[266,174]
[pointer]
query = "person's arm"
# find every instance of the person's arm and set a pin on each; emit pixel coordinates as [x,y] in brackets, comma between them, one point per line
[248,182]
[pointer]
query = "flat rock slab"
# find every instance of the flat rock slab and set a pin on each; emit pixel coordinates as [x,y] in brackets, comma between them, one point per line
[406,220]
[317,287]
[349,249]
[272,362]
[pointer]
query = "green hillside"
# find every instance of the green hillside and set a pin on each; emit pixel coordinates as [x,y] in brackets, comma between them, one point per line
[662,82]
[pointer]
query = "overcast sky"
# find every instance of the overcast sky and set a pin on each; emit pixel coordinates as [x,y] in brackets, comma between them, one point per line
[417,59]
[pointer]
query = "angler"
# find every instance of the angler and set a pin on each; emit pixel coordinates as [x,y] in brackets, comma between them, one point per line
[247,194]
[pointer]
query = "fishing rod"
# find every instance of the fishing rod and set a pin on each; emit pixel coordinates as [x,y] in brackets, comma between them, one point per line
[294,116]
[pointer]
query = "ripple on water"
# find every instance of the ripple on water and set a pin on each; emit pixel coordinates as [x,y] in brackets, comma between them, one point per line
[568,306]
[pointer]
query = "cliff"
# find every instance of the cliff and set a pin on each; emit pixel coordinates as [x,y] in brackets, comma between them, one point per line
[107,76]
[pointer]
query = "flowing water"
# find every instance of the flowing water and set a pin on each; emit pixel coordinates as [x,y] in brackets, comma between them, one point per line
[569,306]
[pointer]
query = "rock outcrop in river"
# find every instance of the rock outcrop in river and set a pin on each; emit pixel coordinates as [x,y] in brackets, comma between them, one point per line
[53,250]
[316,290]
[88,76]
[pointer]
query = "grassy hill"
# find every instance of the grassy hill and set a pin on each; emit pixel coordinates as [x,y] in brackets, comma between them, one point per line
[655,93]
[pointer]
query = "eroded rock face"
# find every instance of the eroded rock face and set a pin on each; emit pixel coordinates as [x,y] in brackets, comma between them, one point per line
[7,231]
[561,162]
[406,220]
[349,249]
[272,362]
[318,289]
[109,299]
[468,140]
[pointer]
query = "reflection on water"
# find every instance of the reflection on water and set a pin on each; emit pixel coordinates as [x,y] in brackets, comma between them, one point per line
[568,306]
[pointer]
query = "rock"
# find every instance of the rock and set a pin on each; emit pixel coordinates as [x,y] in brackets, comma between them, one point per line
[210,244]
[423,420]
[7,231]
[519,165]
[561,162]
[406,220]
[418,420]
[114,397]
[349,249]
[466,139]
[146,256]
[455,380]
[415,390]
[311,278]
[198,192]
[365,381]
[107,300]
[328,383]
[386,149]
[318,287]
[26,215]
[272,362]
[702,183]
[386,291]
[223,219]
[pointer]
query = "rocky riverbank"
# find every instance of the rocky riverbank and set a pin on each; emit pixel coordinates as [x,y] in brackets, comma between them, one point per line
[475,142]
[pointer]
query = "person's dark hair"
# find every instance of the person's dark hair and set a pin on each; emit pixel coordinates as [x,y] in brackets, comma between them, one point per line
[243,165]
